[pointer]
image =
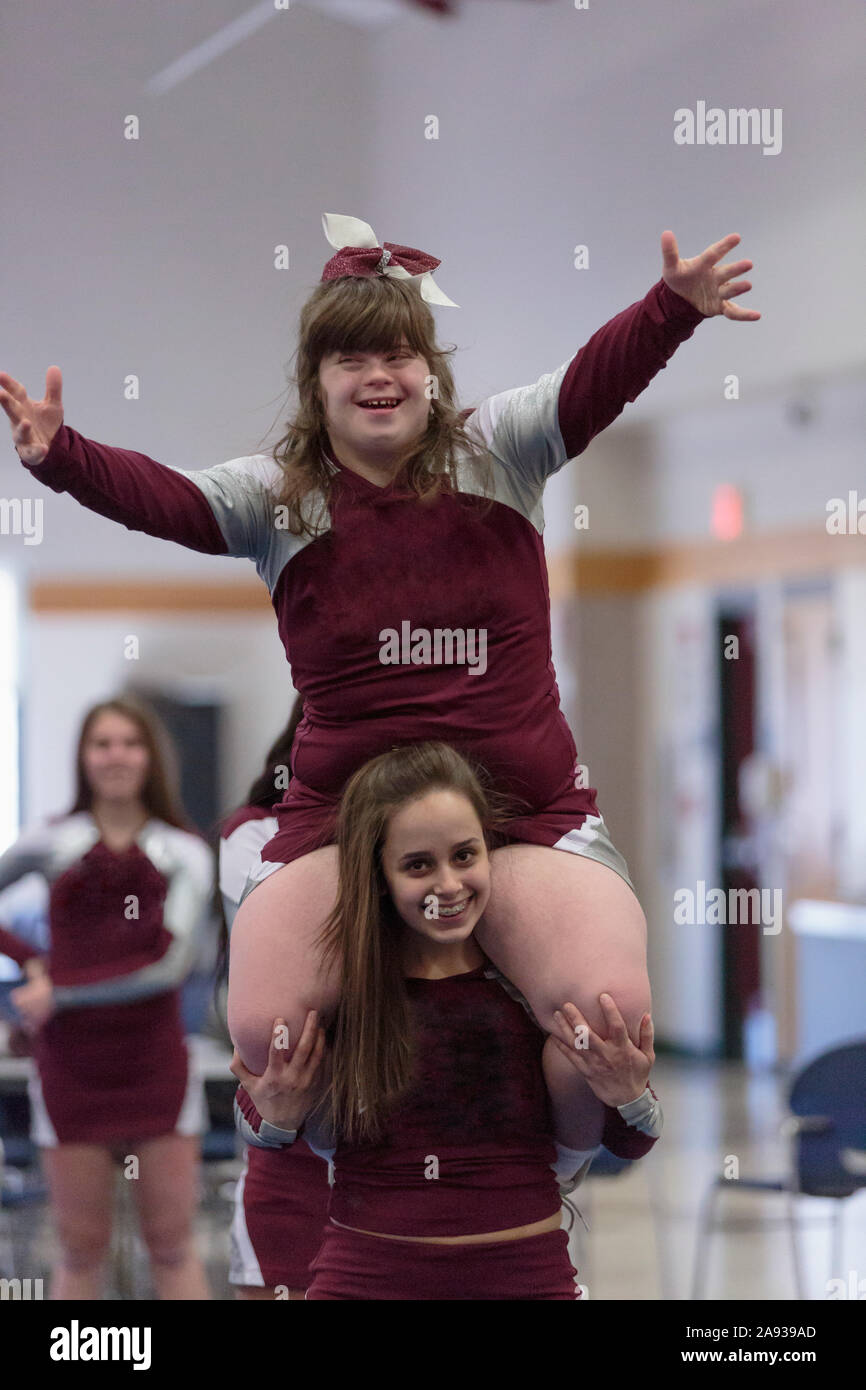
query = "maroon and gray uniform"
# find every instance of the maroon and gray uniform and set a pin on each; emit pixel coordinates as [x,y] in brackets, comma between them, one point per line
[469,1149]
[112,1061]
[281,1198]
[439,576]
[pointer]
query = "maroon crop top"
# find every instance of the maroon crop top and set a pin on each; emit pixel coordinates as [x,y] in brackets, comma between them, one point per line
[469,1147]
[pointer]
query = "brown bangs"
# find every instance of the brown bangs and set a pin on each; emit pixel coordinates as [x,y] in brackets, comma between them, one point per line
[363,316]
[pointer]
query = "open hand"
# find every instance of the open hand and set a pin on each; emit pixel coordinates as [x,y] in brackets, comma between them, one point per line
[34,423]
[615,1070]
[288,1088]
[706,286]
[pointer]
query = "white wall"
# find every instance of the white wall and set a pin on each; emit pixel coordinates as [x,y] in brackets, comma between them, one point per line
[155,256]
[850,593]
[556,127]
[676,776]
[74,661]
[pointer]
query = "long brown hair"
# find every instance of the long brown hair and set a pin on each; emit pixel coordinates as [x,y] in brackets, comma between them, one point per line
[160,793]
[372,1042]
[366,314]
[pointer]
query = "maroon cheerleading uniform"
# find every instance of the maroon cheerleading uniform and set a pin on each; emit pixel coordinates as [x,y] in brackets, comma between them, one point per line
[281,1198]
[467,1150]
[112,1061]
[404,621]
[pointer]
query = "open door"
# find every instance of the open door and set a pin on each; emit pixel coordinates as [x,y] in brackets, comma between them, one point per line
[738,850]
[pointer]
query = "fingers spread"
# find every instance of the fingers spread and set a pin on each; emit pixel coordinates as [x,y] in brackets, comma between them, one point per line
[719,248]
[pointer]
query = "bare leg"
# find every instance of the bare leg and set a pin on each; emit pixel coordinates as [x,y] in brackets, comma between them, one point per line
[565,929]
[81,1183]
[562,927]
[275,969]
[166,1193]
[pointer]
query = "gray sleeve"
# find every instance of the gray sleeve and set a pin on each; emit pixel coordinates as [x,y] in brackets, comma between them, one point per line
[238,853]
[268,1136]
[239,494]
[188,865]
[29,854]
[521,430]
[644,1114]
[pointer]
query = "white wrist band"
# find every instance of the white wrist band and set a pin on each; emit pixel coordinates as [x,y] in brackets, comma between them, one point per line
[644,1114]
[276,1135]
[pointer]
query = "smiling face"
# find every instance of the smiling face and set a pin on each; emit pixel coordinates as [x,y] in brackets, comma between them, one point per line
[115,757]
[435,846]
[349,381]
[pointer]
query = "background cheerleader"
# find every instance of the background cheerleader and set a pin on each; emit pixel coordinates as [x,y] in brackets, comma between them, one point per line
[129,885]
[435,1091]
[281,1198]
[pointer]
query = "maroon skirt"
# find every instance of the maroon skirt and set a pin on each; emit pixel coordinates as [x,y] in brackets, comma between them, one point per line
[115,1073]
[352,1266]
[281,1206]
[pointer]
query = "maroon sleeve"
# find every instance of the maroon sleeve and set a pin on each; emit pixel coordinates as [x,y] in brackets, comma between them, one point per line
[16,948]
[619,361]
[130,488]
[623,1140]
[246,1105]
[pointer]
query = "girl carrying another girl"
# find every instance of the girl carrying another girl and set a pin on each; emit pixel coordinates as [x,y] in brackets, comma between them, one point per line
[433,1101]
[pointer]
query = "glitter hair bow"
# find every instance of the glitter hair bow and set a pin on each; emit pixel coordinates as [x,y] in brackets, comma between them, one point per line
[359,253]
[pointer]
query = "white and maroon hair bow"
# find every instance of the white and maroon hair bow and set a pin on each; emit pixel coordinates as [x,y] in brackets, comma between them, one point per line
[359,253]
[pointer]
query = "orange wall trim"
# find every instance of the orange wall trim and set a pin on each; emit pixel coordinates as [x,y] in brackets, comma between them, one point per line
[772,554]
[616,571]
[147,596]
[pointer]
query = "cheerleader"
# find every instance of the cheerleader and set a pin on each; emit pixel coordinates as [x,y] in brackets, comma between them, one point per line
[281,1198]
[129,885]
[436,1096]
[401,542]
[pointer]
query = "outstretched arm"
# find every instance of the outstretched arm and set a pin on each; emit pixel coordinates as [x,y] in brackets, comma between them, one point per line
[224,510]
[621,359]
[534,430]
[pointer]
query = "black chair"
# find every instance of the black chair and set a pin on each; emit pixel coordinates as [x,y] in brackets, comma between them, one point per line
[827,1134]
